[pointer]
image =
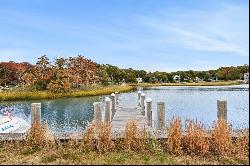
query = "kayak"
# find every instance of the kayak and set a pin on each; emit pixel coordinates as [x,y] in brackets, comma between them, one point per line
[4,119]
[12,125]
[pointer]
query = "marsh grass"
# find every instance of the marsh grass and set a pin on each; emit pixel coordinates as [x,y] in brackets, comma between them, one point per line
[130,138]
[35,95]
[104,142]
[221,138]
[193,146]
[143,140]
[89,138]
[195,140]
[39,135]
[241,145]
[174,136]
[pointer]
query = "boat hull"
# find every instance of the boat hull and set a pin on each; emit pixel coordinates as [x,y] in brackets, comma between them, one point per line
[16,125]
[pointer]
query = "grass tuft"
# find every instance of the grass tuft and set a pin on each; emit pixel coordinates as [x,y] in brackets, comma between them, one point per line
[174,136]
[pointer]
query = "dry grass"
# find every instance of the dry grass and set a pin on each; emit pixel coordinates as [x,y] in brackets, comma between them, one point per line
[195,146]
[39,135]
[174,136]
[89,138]
[143,140]
[104,141]
[241,145]
[196,140]
[130,138]
[221,138]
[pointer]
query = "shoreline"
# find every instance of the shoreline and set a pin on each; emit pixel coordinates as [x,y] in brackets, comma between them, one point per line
[96,91]
[40,95]
[220,83]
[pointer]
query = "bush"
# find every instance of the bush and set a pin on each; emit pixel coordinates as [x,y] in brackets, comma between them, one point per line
[41,85]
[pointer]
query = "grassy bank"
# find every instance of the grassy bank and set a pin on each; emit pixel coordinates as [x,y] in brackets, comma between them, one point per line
[77,156]
[219,83]
[34,95]
[137,147]
[94,91]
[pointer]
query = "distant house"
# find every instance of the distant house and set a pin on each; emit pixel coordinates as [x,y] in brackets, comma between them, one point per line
[187,79]
[212,79]
[197,79]
[246,77]
[139,80]
[177,78]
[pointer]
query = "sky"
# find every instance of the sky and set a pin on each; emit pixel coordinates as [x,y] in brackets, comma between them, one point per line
[153,35]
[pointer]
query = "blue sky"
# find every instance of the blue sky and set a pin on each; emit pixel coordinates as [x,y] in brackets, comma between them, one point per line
[163,35]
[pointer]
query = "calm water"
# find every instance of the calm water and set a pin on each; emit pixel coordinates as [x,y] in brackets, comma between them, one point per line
[68,114]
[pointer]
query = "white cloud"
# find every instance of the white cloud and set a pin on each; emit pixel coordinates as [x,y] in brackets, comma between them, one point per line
[199,42]
[222,31]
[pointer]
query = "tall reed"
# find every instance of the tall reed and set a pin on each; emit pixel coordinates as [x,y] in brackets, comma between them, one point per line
[131,135]
[221,140]
[241,144]
[39,135]
[174,136]
[89,138]
[104,141]
[196,139]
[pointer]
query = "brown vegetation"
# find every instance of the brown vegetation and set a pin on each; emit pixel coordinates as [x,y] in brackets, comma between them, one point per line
[194,145]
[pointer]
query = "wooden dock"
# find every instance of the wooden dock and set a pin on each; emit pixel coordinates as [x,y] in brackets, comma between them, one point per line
[118,114]
[124,115]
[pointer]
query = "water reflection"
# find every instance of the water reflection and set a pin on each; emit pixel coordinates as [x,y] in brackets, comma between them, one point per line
[60,114]
[70,114]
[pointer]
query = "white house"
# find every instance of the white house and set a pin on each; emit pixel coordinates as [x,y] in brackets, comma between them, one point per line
[177,78]
[197,79]
[246,77]
[212,79]
[139,80]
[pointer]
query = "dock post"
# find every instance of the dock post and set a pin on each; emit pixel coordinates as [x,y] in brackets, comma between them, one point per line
[139,98]
[149,111]
[142,103]
[161,115]
[97,113]
[107,110]
[112,105]
[116,97]
[36,113]
[222,110]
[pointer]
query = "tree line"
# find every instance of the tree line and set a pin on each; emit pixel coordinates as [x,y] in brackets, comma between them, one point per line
[65,73]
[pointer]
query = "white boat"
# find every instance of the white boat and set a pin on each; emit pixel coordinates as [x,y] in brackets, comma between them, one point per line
[13,125]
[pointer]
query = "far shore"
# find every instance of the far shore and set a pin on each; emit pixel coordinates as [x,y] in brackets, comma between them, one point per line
[216,83]
[14,95]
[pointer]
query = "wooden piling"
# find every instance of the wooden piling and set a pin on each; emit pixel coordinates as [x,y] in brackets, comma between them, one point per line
[116,97]
[35,113]
[139,98]
[222,110]
[107,109]
[142,103]
[97,113]
[161,115]
[149,111]
[112,105]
